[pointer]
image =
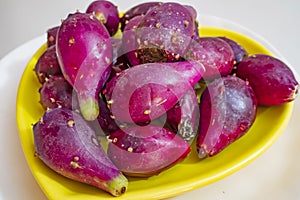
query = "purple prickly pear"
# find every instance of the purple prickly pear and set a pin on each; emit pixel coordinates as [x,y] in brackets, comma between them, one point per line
[138,10]
[214,53]
[51,36]
[65,143]
[165,33]
[228,109]
[272,80]
[183,118]
[144,92]
[146,150]
[239,52]
[47,65]
[84,52]
[107,13]
[56,92]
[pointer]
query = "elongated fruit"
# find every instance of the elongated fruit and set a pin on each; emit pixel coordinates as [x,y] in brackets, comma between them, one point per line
[84,52]
[272,80]
[66,144]
[144,92]
[227,111]
[146,150]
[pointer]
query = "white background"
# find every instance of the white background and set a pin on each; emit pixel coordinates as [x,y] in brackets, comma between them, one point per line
[273,176]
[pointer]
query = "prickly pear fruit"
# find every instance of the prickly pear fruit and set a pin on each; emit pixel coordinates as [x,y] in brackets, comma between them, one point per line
[214,53]
[239,51]
[144,92]
[146,150]
[165,33]
[56,92]
[183,118]
[107,13]
[272,80]
[47,65]
[66,144]
[51,36]
[227,111]
[84,52]
[137,10]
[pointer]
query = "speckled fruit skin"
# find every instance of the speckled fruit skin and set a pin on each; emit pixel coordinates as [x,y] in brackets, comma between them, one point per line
[137,10]
[228,109]
[57,92]
[65,143]
[84,52]
[51,36]
[271,79]
[107,13]
[165,33]
[146,150]
[183,118]
[239,51]
[47,65]
[214,53]
[144,92]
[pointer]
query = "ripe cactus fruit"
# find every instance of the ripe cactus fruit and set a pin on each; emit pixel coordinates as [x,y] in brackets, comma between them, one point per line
[84,52]
[51,36]
[138,10]
[239,51]
[145,92]
[272,80]
[107,13]
[47,65]
[56,92]
[66,144]
[228,109]
[146,150]
[214,53]
[183,118]
[165,33]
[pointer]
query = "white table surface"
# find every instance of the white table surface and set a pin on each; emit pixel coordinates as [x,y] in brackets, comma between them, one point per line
[273,176]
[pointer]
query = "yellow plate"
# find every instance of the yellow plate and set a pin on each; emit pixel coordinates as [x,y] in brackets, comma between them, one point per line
[187,175]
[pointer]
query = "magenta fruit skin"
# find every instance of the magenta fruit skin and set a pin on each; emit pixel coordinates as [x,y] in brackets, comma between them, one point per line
[228,108]
[138,10]
[272,80]
[65,143]
[215,54]
[183,118]
[145,92]
[146,150]
[107,13]
[84,52]
[51,36]
[165,33]
[56,92]
[47,65]
[239,51]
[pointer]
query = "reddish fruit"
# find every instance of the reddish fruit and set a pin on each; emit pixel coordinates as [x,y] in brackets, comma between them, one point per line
[272,80]
[47,65]
[146,150]
[107,13]
[56,92]
[65,143]
[84,52]
[214,53]
[228,109]
[145,92]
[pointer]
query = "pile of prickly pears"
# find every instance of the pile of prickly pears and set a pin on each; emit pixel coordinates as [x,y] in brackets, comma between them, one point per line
[140,91]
